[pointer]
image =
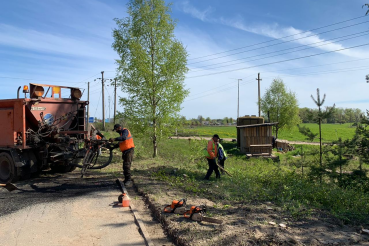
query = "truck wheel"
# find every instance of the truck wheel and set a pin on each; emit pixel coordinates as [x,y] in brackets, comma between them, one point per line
[7,168]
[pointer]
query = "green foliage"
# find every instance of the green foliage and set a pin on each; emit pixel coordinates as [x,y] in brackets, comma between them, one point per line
[339,115]
[281,105]
[307,132]
[151,68]
[359,144]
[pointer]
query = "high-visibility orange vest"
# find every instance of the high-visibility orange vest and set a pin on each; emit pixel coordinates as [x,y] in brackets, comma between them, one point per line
[211,150]
[98,137]
[128,143]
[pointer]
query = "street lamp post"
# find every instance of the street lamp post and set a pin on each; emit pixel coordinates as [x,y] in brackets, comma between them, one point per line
[238,100]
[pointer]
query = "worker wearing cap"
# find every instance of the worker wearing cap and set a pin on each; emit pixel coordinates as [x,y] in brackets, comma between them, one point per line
[127,147]
[211,155]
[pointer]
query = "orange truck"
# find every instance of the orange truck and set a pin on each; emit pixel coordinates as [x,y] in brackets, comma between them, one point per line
[44,130]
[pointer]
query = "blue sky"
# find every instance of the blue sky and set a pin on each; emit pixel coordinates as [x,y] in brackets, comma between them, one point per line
[68,42]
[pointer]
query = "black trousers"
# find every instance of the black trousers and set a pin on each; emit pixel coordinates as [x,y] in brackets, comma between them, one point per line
[212,167]
[127,157]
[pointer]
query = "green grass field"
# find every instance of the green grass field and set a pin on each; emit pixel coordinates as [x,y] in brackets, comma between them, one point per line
[330,132]
[285,183]
[253,179]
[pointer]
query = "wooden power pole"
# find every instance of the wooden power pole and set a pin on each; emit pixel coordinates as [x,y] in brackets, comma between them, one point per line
[88,106]
[103,99]
[259,79]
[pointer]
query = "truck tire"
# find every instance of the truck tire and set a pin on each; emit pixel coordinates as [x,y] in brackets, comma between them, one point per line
[7,168]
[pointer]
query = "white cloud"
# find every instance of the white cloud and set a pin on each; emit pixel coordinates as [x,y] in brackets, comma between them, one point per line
[293,35]
[194,12]
[275,31]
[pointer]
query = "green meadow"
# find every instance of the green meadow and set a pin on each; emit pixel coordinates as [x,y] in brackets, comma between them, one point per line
[330,132]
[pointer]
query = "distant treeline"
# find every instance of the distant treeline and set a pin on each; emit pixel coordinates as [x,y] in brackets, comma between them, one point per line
[207,121]
[340,115]
[307,115]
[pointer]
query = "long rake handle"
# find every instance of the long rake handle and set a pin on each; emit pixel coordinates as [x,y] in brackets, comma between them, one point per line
[221,168]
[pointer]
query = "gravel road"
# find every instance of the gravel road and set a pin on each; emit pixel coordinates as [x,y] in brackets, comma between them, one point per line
[63,209]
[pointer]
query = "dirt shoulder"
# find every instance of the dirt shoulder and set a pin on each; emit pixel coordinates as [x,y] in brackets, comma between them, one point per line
[244,224]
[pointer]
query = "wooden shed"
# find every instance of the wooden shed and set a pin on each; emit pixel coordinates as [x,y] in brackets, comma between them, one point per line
[247,120]
[256,139]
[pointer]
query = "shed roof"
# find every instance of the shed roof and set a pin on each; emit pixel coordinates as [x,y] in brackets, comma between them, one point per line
[256,125]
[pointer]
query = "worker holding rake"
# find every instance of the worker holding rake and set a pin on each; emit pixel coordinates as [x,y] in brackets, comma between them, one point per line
[211,154]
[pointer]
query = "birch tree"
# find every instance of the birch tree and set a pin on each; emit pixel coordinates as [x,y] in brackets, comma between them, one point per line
[282,106]
[151,69]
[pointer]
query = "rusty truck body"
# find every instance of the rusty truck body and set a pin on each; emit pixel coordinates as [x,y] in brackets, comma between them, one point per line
[44,130]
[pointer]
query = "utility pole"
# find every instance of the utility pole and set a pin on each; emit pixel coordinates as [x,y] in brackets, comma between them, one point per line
[259,79]
[103,99]
[109,109]
[88,107]
[238,100]
[115,98]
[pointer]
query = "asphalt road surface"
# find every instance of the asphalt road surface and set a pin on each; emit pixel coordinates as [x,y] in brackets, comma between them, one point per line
[63,209]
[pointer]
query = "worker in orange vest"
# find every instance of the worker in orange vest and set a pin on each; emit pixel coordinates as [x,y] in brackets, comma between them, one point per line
[211,155]
[127,147]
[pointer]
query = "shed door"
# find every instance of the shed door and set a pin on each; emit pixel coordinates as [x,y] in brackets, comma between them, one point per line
[6,127]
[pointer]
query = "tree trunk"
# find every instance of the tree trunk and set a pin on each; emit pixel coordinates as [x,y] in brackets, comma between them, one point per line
[154,102]
[154,141]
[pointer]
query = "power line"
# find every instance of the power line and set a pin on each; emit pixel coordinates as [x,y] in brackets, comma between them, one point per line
[224,89]
[84,80]
[283,42]
[222,86]
[96,91]
[272,40]
[327,72]
[305,45]
[97,104]
[321,65]
[288,75]
[281,61]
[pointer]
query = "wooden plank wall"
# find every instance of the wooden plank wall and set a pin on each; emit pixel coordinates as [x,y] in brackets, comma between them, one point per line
[253,136]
